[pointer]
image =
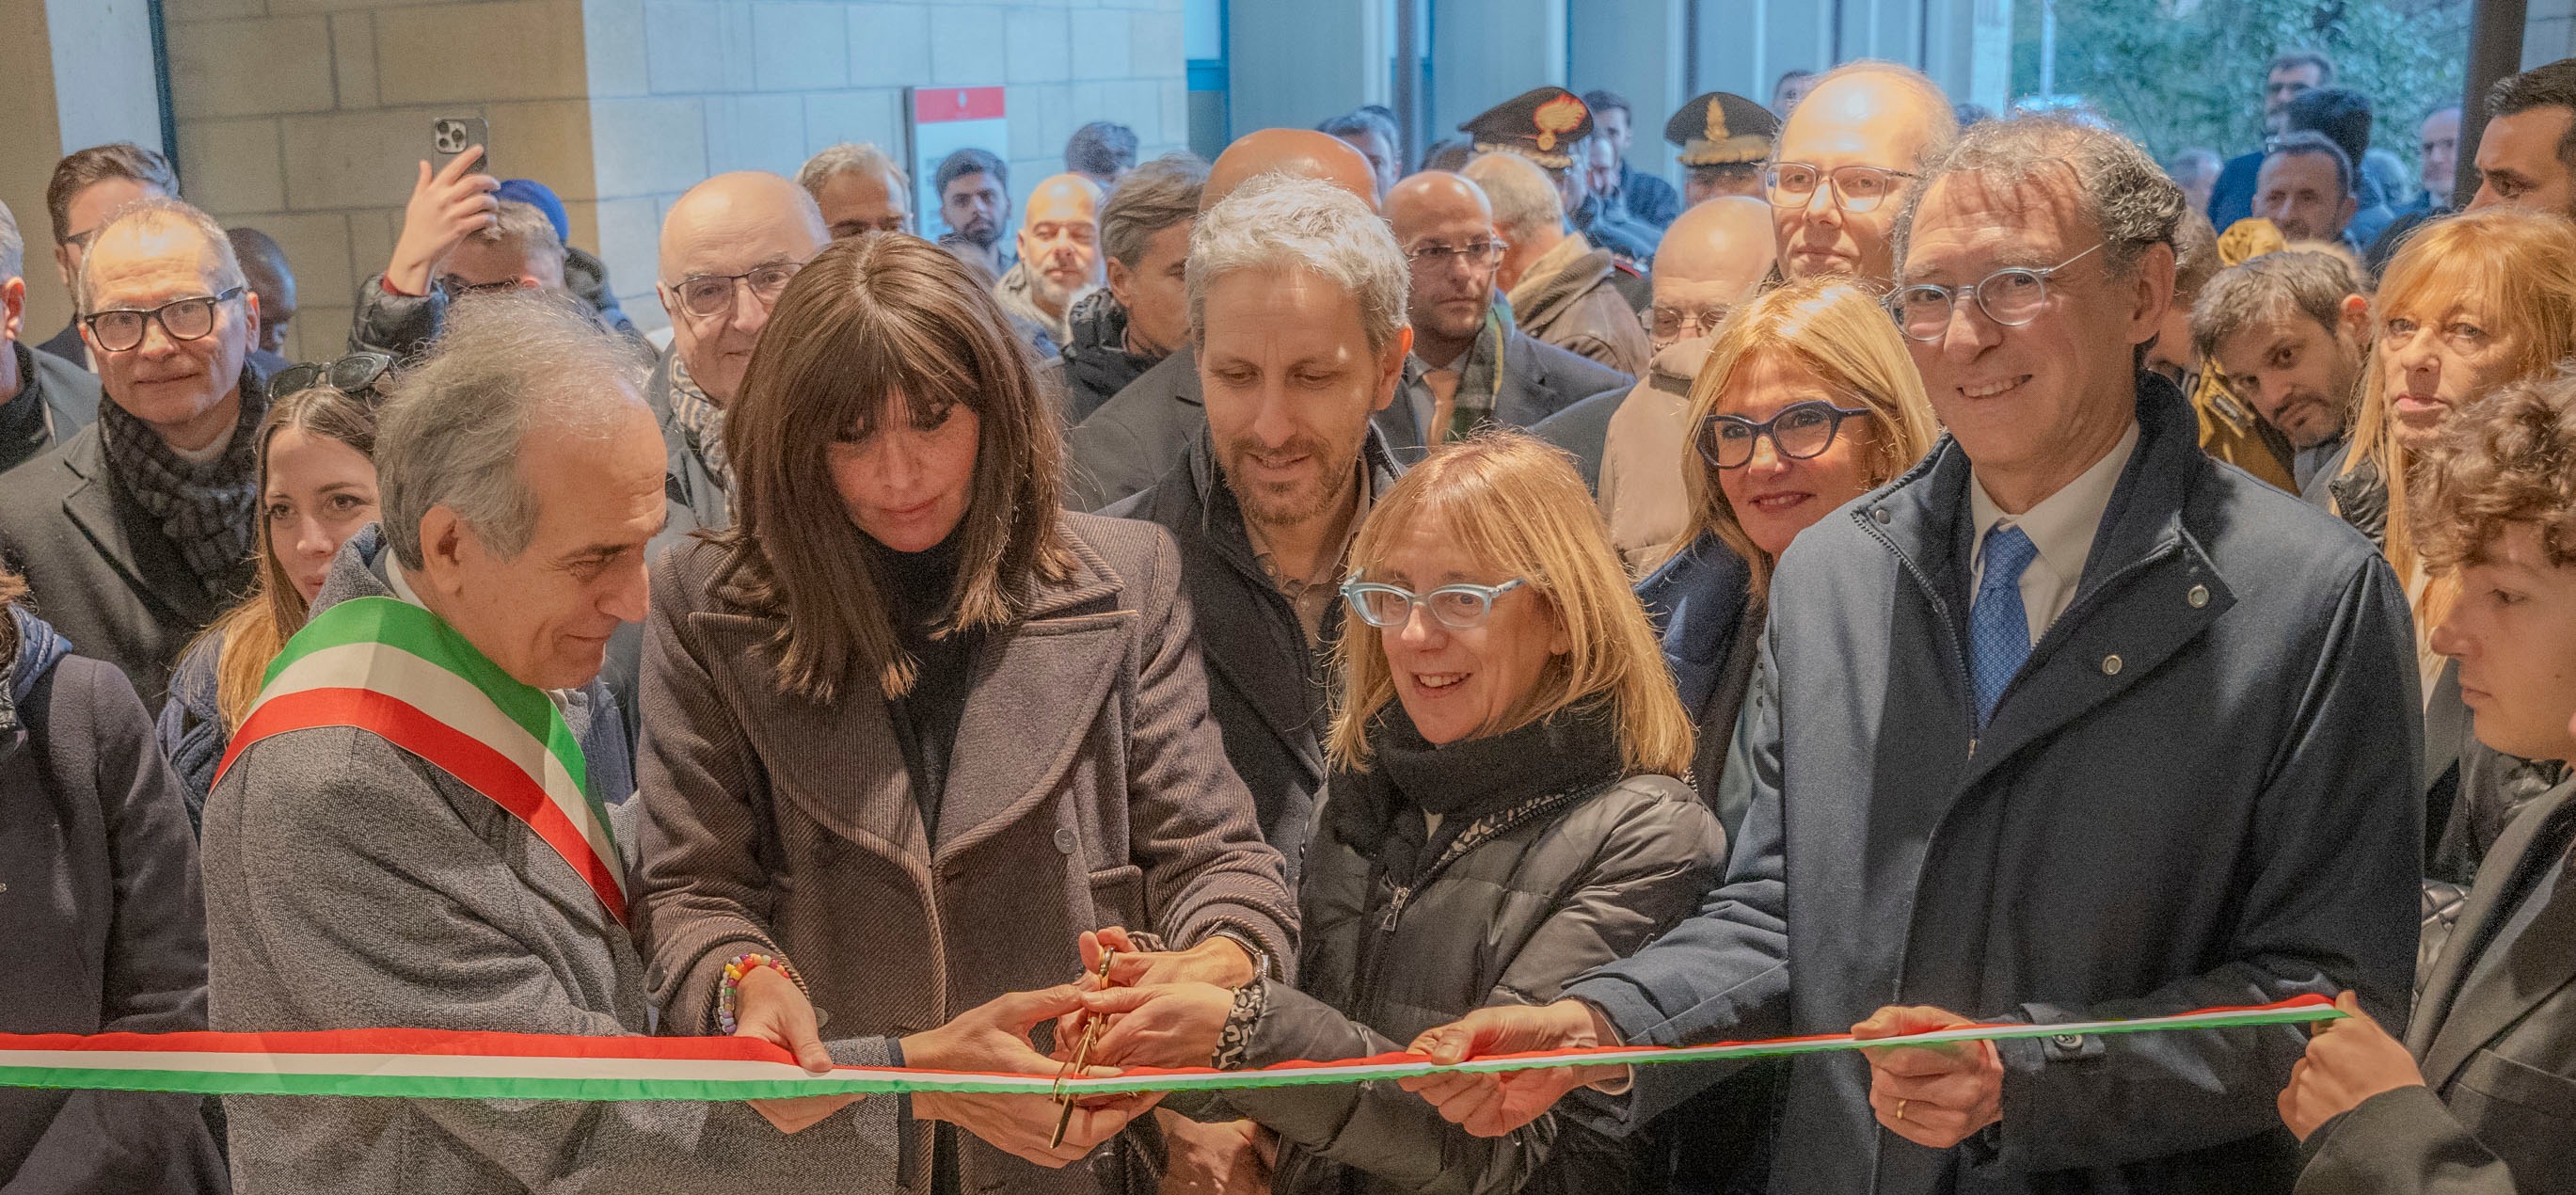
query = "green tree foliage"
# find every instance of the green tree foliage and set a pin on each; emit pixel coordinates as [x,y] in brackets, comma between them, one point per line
[2182,74]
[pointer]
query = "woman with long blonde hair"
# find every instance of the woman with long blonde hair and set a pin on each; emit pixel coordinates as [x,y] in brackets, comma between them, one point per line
[2470,303]
[1808,400]
[317,487]
[1504,813]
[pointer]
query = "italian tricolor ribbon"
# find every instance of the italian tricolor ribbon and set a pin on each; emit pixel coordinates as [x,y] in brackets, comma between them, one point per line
[395,670]
[437,1064]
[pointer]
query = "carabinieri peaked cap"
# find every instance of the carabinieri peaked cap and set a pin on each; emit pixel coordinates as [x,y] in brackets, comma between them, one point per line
[1540,125]
[1722,128]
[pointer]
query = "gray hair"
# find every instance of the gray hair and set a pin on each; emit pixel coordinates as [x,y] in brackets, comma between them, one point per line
[2271,287]
[13,246]
[1282,222]
[849,157]
[215,256]
[1153,197]
[2117,186]
[1522,194]
[524,226]
[451,431]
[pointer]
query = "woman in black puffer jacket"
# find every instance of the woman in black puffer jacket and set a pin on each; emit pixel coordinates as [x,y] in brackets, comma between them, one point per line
[1502,817]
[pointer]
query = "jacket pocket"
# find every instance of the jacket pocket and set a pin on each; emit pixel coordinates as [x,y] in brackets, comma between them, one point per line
[1118,898]
[2497,1077]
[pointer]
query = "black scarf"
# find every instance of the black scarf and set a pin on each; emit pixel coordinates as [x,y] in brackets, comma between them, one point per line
[1577,749]
[209,510]
[1097,359]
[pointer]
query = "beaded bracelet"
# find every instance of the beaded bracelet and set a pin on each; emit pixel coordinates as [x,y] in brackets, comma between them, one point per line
[745,964]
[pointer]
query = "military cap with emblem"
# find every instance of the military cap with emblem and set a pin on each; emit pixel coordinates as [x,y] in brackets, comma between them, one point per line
[1722,129]
[1540,125]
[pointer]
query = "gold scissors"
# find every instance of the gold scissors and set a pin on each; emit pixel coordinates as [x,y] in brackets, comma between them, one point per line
[1081,1060]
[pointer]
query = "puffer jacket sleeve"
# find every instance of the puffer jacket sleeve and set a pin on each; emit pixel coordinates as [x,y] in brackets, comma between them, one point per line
[401,326]
[1649,871]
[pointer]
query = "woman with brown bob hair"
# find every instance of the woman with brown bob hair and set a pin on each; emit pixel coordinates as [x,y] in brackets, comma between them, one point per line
[910,730]
[1504,814]
[317,487]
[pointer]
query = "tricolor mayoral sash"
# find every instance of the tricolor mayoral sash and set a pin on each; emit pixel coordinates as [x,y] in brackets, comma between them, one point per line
[399,672]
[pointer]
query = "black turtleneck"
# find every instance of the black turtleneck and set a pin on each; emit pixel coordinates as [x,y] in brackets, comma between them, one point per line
[24,429]
[918,590]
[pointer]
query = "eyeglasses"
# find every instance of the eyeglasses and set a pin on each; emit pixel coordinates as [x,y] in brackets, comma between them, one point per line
[1458,607]
[707,296]
[1668,324]
[1798,432]
[2011,297]
[1857,189]
[1480,255]
[458,288]
[355,374]
[182,320]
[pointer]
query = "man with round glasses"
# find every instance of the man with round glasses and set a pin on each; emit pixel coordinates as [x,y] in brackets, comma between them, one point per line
[1847,156]
[1471,367]
[135,533]
[729,245]
[2068,723]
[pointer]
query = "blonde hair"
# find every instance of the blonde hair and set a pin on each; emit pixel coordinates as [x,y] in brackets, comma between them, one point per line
[1836,331]
[2525,262]
[1517,506]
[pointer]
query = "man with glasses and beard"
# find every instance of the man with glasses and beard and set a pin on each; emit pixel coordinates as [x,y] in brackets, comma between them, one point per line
[1471,368]
[135,533]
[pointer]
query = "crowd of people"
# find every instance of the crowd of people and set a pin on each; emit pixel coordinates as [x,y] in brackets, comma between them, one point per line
[1928,569]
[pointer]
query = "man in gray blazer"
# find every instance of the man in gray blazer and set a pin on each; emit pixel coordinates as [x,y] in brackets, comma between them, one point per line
[136,531]
[352,882]
[2479,1098]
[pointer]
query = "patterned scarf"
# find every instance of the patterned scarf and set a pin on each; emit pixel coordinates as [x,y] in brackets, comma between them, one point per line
[702,421]
[209,511]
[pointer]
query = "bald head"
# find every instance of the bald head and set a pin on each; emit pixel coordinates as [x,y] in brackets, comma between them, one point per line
[1060,240]
[1303,153]
[726,227]
[1711,259]
[1877,115]
[1434,197]
[1062,197]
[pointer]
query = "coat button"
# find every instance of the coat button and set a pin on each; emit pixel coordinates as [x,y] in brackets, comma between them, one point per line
[1066,840]
[1880,513]
[2067,1041]
[2198,597]
[2110,665]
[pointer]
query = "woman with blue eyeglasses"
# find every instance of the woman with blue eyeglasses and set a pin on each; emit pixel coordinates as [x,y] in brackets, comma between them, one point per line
[1807,401]
[1503,814]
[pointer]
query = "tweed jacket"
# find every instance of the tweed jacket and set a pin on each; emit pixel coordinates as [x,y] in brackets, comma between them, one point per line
[350,884]
[1087,787]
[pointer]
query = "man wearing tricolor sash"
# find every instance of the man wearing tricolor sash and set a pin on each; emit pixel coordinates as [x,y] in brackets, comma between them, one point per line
[412,827]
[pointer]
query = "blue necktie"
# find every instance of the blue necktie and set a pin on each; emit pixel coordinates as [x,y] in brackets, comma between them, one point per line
[1998,627]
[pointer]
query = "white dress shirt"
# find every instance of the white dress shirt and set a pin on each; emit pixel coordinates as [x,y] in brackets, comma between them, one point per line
[2061,526]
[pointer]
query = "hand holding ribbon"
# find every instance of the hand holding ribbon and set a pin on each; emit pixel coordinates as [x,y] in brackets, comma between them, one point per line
[2348,1061]
[1932,1095]
[1492,1104]
[769,1006]
[995,1038]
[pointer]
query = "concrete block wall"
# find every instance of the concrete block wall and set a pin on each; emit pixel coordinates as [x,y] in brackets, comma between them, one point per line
[307,117]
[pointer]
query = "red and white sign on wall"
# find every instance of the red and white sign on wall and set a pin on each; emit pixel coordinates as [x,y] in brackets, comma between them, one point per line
[945,120]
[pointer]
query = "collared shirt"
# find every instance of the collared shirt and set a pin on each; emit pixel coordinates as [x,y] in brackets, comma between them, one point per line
[1314,596]
[2061,526]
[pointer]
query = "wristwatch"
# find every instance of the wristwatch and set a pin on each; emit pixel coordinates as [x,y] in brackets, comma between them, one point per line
[1262,966]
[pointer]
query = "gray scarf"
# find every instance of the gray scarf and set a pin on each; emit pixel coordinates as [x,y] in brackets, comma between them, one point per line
[702,421]
[208,511]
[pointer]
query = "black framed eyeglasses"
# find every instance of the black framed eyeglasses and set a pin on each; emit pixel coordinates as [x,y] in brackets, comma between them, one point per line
[2011,297]
[1481,255]
[122,330]
[707,296]
[1799,431]
[1857,189]
[355,374]
[1460,607]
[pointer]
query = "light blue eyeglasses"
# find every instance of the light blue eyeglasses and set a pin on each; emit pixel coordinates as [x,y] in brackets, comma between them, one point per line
[1459,607]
